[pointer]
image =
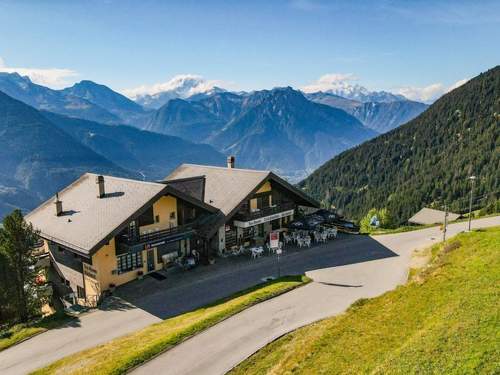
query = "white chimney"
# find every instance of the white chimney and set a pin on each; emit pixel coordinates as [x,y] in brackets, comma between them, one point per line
[58,204]
[230,161]
[99,180]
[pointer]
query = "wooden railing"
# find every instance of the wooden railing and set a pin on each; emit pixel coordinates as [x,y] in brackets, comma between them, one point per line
[155,236]
[266,211]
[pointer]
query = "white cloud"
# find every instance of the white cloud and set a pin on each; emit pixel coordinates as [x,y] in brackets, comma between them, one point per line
[53,77]
[184,84]
[428,93]
[330,81]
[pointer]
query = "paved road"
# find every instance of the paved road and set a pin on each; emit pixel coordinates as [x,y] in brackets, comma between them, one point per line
[223,346]
[352,262]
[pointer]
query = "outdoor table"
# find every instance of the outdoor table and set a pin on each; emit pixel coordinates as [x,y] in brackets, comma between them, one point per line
[256,251]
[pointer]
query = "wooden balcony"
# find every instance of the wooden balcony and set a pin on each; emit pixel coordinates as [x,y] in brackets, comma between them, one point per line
[125,243]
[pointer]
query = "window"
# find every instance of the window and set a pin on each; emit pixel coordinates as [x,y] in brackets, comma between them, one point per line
[147,217]
[157,218]
[80,292]
[129,262]
[172,215]
[172,248]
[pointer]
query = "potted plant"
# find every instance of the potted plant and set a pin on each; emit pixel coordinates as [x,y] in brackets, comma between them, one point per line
[112,287]
[140,274]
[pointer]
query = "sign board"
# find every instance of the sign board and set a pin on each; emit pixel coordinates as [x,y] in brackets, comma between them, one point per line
[274,240]
[265,219]
[89,271]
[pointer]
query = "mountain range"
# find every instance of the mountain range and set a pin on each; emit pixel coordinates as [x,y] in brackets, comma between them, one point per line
[42,152]
[380,116]
[180,87]
[280,129]
[425,162]
[86,100]
[255,126]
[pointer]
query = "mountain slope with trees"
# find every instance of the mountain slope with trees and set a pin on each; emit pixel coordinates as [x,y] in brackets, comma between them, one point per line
[38,159]
[152,155]
[424,162]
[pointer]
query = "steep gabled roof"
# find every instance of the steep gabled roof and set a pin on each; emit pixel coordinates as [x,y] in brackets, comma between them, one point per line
[87,221]
[227,188]
[224,188]
[192,186]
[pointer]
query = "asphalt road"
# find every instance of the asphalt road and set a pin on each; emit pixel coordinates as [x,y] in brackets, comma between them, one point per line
[343,271]
[220,348]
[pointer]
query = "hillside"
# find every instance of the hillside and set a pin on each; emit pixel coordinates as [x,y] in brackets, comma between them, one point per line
[383,116]
[44,98]
[424,162]
[191,121]
[152,155]
[444,321]
[38,158]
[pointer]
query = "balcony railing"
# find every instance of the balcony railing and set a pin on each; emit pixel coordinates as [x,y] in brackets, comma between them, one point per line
[266,211]
[129,243]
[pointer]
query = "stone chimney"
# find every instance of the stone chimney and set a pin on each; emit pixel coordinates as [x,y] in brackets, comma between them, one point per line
[230,161]
[58,204]
[101,192]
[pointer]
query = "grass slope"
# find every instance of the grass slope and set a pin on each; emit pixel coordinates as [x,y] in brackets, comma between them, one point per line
[20,332]
[121,354]
[444,321]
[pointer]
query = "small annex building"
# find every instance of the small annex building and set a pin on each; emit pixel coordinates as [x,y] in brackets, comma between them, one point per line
[428,216]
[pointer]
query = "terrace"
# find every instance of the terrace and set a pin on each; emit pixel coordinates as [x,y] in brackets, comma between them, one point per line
[127,243]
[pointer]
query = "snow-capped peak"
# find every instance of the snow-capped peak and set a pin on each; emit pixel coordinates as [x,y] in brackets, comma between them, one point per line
[342,85]
[181,86]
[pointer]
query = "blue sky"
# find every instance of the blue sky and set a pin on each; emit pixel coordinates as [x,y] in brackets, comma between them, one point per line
[403,45]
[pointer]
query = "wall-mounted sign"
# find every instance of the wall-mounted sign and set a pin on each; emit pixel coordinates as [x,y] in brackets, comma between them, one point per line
[154,244]
[265,219]
[89,271]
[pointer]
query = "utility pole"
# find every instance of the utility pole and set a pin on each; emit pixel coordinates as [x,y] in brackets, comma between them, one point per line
[472,180]
[445,221]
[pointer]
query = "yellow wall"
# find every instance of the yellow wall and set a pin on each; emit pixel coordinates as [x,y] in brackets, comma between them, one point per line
[104,261]
[265,188]
[163,207]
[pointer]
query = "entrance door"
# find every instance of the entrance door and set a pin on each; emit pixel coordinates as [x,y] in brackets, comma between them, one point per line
[151,260]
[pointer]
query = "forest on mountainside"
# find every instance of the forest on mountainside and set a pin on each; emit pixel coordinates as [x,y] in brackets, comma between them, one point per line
[425,162]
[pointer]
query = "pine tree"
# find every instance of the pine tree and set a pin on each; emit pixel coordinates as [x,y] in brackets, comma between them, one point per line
[17,259]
